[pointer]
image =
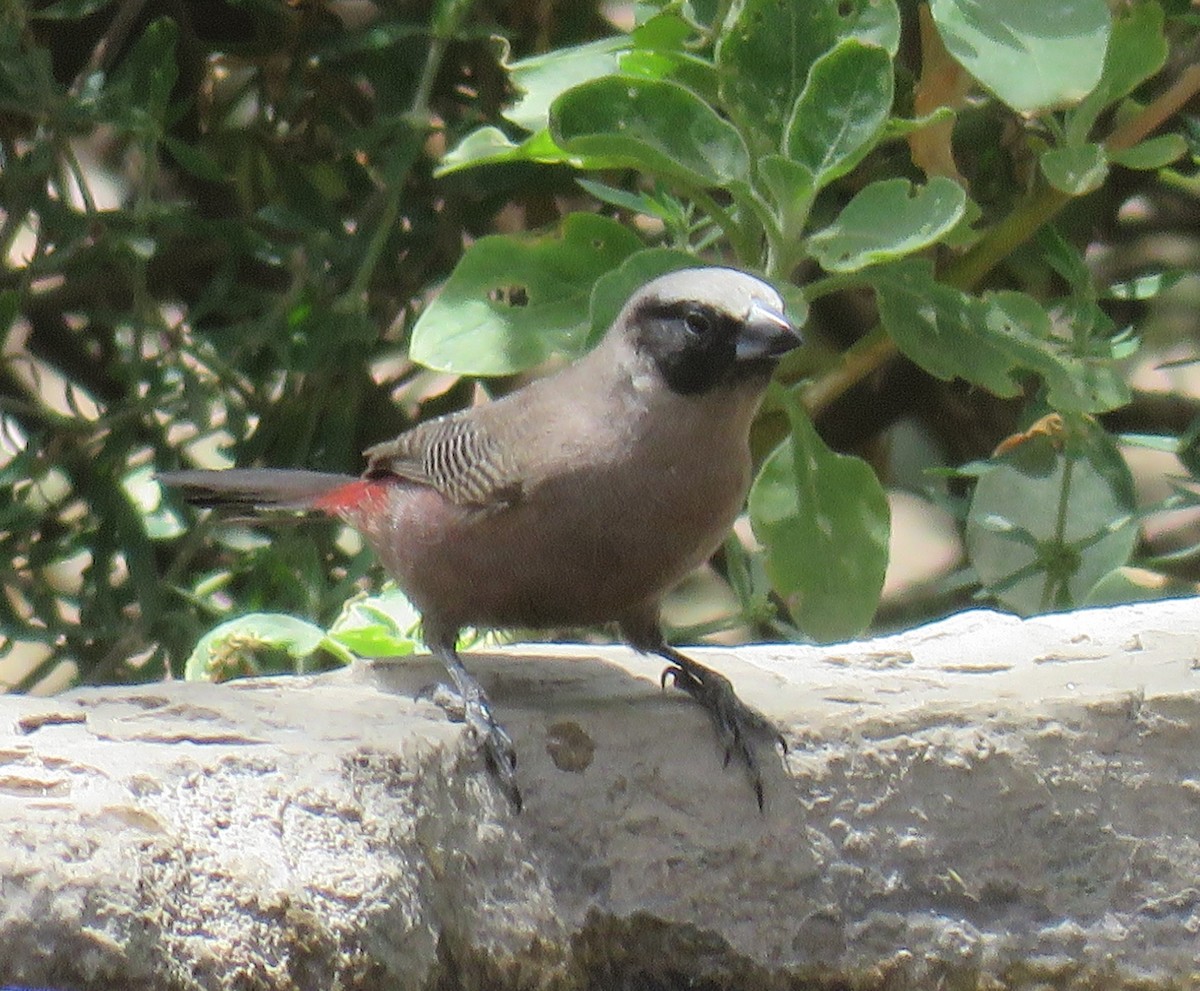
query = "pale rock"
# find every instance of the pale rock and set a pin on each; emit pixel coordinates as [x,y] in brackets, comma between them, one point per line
[984,802]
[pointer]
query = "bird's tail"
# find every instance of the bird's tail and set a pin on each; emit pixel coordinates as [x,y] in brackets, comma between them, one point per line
[253,489]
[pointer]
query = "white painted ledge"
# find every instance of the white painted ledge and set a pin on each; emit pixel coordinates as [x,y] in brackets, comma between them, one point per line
[981,802]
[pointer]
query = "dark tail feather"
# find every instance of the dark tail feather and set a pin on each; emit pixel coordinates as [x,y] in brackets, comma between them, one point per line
[256,488]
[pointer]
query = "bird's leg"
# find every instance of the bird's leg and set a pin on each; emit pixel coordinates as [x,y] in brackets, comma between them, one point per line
[738,725]
[469,698]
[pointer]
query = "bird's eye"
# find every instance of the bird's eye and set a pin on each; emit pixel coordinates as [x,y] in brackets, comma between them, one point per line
[697,323]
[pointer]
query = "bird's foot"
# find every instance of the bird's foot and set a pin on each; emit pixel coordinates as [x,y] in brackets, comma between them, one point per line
[472,707]
[739,726]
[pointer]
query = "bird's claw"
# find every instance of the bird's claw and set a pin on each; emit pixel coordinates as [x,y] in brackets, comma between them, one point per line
[498,751]
[738,725]
[501,758]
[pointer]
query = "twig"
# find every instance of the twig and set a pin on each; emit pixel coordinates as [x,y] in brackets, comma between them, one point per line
[118,29]
[1154,115]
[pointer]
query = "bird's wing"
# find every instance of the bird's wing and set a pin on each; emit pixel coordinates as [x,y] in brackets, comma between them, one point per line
[457,456]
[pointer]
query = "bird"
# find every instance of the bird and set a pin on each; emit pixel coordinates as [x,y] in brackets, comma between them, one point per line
[577,500]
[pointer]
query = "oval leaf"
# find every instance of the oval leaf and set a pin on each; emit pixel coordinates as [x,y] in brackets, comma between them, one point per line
[512,301]
[542,78]
[791,188]
[1127,584]
[844,106]
[765,55]
[1154,153]
[1032,56]
[888,220]
[652,125]
[378,626]
[491,146]
[1077,169]
[824,522]
[1045,525]
[942,329]
[233,649]
[1137,49]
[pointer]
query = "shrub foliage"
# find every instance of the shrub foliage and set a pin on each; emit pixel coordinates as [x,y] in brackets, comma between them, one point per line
[262,232]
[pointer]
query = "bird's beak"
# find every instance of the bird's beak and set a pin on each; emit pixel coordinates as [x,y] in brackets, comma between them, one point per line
[766,333]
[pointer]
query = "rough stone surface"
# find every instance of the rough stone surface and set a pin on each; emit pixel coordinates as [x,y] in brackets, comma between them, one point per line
[984,802]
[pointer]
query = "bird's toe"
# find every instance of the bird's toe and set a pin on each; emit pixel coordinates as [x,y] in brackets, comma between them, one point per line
[498,751]
[739,726]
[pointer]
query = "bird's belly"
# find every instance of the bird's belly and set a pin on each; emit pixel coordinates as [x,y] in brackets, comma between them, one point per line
[560,559]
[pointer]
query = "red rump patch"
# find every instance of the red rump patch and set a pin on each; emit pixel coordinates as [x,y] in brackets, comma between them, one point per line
[356,495]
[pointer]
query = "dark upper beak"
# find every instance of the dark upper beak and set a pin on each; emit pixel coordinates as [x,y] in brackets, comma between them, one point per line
[766,333]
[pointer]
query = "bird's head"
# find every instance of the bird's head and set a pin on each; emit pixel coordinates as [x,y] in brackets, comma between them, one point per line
[707,328]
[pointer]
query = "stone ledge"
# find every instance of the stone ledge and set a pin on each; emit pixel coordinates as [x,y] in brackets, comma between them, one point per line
[984,802]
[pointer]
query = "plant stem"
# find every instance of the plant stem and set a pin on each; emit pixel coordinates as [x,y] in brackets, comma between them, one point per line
[1060,530]
[379,236]
[745,251]
[446,23]
[127,13]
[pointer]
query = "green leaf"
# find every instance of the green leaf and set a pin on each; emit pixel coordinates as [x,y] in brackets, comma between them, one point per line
[1077,169]
[651,50]
[943,330]
[902,127]
[153,66]
[1067,260]
[236,648]
[1136,51]
[664,32]
[1032,56]
[622,198]
[1145,286]
[823,519]
[791,188]
[989,340]
[542,79]
[140,88]
[1126,584]
[491,146]
[1046,525]
[375,640]
[1188,448]
[873,22]
[27,83]
[842,110]
[378,626]
[652,125]
[887,220]
[1155,153]
[512,301]
[765,54]
[1089,383]
[194,159]
[661,50]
